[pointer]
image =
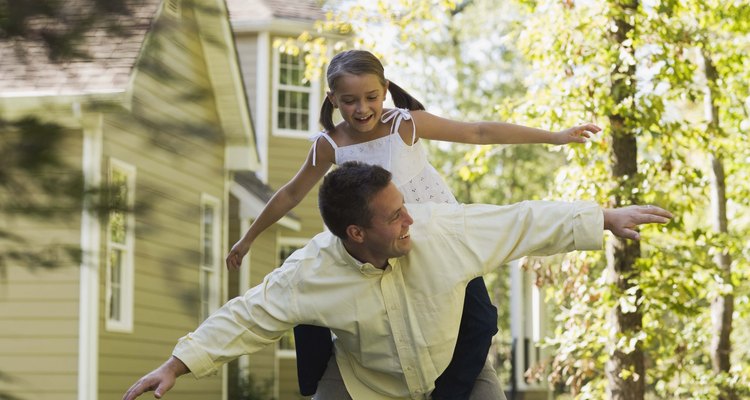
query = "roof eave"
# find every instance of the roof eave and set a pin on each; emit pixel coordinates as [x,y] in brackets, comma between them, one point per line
[47,105]
[277,25]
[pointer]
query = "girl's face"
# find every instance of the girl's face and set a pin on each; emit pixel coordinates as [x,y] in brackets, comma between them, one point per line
[359,99]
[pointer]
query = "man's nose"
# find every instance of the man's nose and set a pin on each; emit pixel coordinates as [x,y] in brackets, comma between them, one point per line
[407,218]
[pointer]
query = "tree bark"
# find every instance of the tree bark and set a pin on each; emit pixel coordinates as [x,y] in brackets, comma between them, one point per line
[723,306]
[625,368]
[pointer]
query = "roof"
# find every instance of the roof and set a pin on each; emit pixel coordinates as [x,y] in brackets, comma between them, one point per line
[303,10]
[104,58]
[250,182]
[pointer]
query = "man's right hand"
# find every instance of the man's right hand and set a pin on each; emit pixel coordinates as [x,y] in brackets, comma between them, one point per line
[159,380]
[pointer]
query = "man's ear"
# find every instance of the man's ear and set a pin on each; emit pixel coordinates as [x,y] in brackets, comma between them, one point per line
[355,233]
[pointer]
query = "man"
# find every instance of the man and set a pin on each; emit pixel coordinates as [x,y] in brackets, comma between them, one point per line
[389,281]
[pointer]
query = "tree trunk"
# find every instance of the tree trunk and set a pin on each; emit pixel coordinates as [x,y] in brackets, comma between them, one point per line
[625,368]
[723,306]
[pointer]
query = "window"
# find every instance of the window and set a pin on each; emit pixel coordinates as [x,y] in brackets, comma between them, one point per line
[287,246]
[295,100]
[173,8]
[210,245]
[120,247]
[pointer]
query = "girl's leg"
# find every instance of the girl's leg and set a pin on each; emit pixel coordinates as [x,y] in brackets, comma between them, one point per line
[478,326]
[487,386]
[314,349]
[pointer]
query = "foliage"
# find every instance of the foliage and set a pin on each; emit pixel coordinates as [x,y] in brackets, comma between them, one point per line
[251,388]
[571,66]
[35,182]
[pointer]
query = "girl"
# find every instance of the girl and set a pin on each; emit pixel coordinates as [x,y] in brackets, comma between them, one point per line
[390,138]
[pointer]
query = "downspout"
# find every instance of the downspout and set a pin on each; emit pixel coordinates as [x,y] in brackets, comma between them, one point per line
[88,311]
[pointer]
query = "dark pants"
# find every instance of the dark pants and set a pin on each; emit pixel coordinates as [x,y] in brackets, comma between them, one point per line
[478,326]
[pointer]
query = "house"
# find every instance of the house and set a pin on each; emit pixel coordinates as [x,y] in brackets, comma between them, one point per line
[152,107]
[285,113]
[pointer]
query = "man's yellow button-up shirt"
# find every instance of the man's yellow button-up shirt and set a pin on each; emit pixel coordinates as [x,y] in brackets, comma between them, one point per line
[396,327]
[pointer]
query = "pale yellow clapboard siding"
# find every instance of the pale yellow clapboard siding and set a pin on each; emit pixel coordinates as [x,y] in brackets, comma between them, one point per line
[15,327]
[51,282]
[33,308]
[288,387]
[54,362]
[33,391]
[30,346]
[173,168]
[44,293]
[171,140]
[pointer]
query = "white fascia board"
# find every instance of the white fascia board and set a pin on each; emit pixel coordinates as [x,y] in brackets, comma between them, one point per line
[276,25]
[251,206]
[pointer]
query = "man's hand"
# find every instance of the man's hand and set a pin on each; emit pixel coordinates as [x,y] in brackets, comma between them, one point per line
[623,221]
[159,380]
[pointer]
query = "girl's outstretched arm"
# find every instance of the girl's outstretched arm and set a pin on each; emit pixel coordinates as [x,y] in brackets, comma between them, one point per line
[284,200]
[430,126]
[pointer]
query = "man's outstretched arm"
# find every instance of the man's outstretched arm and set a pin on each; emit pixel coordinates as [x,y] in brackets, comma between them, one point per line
[159,380]
[622,222]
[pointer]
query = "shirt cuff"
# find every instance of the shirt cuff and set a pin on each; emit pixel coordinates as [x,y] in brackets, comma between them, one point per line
[194,357]
[588,226]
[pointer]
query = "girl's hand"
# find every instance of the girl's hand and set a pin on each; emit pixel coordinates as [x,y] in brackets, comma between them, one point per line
[576,134]
[238,251]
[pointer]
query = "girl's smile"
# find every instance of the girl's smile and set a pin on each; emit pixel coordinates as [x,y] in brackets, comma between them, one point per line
[359,99]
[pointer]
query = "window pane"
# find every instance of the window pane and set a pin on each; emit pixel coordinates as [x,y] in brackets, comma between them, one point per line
[287,341]
[115,284]
[205,293]
[208,234]
[304,121]
[117,227]
[293,94]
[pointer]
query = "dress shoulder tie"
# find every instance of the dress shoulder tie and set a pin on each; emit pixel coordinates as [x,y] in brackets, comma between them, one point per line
[398,115]
[314,138]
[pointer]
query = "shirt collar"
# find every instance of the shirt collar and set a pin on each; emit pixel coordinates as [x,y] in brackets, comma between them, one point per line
[365,268]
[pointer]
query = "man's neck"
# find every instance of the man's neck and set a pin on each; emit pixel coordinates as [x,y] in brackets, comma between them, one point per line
[362,256]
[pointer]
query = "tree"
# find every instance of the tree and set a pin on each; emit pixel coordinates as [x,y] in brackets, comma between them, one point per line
[670,282]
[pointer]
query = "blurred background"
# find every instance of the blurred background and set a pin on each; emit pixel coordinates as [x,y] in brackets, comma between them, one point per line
[140,138]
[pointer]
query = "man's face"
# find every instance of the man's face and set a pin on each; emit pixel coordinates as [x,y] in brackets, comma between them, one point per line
[388,235]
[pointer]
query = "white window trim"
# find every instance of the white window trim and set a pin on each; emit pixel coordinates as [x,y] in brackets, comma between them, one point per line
[288,241]
[125,324]
[213,300]
[313,107]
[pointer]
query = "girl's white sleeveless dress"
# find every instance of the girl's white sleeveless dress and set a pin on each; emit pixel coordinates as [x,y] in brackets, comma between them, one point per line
[414,176]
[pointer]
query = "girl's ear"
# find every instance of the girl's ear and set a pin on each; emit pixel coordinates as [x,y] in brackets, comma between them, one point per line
[332,99]
[385,93]
[355,233]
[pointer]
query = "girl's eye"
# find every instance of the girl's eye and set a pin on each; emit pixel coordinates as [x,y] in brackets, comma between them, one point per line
[372,98]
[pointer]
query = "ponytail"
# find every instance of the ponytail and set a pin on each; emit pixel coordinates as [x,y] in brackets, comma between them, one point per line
[326,115]
[402,99]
